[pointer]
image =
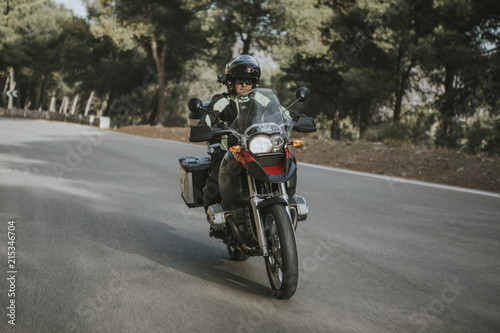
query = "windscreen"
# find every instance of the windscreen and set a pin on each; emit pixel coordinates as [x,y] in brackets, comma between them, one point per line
[259,111]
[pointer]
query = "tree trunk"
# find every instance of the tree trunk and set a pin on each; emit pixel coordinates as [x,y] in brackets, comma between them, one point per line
[364,117]
[246,45]
[61,107]
[103,108]
[75,102]
[397,87]
[107,110]
[336,123]
[160,69]
[400,90]
[40,77]
[6,87]
[154,112]
[335,128]
[65,104]
[444,136]
[53,102]
[43,101]
[12,86]
[87,108]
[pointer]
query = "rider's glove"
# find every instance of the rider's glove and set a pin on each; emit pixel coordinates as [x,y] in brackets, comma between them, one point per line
[296,116]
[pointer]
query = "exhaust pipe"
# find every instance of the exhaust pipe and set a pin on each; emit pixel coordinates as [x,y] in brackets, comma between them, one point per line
[236,233]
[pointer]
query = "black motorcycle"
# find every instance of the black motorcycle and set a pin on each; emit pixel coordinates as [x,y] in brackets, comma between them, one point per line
[259,212]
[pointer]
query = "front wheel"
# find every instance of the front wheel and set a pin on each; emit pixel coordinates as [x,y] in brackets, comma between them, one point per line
[282,263]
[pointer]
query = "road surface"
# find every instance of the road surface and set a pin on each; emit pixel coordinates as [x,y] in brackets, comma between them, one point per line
[104,243]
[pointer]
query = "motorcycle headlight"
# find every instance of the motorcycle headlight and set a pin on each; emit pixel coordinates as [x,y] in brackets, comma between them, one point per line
[278,142]
[260,144]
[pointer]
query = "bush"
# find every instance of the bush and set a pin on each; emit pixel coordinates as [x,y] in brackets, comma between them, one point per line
[387,132]
[414,127]
[483,136]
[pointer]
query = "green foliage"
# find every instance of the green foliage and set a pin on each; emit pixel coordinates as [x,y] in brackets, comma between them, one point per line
[366,63]
[388,132]
[483,136]
[414,128]
[31,35]
[30,38]
[166,31]
[380,52]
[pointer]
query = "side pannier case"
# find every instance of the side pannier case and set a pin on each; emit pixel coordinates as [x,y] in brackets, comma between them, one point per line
[193,176]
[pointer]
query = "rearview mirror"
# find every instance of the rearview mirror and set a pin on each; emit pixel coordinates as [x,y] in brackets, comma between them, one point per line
[302,94]
[195,104]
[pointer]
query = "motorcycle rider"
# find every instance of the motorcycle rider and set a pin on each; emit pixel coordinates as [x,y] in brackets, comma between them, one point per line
[242,75]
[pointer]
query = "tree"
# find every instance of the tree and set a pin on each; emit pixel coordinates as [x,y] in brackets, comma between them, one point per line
[456,59]
[30,37]
[395,29]
[374,47]
[356,71]
[242,27]
[91,63]
[165,30]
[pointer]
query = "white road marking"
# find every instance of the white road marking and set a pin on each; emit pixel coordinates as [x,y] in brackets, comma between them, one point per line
[394,180]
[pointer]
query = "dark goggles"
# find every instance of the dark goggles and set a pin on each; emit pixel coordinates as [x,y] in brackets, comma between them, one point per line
[248,82]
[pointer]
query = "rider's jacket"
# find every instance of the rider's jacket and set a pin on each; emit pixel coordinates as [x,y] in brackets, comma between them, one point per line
[225,105]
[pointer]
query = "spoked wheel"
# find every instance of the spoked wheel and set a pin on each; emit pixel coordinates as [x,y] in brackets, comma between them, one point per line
[282,263]
[236,254]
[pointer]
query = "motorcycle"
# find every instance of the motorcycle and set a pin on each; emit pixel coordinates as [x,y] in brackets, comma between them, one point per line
[259,212]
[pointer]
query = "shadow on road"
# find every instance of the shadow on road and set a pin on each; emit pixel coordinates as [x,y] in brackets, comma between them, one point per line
[73,215]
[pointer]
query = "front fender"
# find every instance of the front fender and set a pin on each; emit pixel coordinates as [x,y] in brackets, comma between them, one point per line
[272,201]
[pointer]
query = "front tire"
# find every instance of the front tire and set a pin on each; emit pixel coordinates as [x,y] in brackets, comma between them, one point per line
[282,263]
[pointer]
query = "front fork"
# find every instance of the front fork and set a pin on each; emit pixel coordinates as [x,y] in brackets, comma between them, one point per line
[254,201]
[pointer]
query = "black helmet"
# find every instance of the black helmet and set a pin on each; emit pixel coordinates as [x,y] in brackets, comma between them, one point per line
[244,66]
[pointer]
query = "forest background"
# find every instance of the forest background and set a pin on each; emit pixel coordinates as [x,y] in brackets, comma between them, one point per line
[424,72]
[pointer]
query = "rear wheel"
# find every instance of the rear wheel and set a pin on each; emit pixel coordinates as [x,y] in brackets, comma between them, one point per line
[282,263]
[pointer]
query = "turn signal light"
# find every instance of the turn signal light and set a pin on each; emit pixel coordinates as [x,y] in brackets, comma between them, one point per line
[235,149]
[297,142]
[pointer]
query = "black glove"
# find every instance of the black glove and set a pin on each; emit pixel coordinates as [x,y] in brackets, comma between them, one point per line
[296,116]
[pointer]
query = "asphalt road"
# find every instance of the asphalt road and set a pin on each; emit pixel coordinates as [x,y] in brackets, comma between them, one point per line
[104,243]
